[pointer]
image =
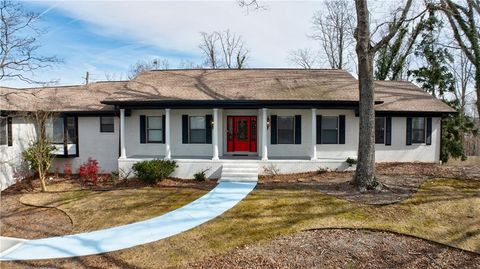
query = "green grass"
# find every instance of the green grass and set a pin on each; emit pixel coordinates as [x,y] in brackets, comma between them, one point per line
[446,211]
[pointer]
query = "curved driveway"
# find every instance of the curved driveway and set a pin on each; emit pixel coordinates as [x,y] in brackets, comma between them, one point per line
[216,202]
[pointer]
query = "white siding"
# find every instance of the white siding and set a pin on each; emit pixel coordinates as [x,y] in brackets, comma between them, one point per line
[23,133]
[400,152]
[102,147]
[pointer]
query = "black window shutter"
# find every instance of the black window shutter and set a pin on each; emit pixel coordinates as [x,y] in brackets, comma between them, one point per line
[9,132]
[143,129]
[429,131]
[298,129]
[184,129]
[409,131]
[273,129]
[319,129]
[208,129]
[341,129]
[163,128]
[388,131]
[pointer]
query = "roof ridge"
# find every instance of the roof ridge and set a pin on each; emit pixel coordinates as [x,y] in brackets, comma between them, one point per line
[248,69]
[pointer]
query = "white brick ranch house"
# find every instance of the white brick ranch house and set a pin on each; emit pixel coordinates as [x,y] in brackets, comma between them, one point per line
[291,120]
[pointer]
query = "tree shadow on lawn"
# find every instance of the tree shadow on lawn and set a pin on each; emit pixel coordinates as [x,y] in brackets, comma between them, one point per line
[270,212]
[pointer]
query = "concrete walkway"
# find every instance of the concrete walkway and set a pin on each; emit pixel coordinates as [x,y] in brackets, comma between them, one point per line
[216,202]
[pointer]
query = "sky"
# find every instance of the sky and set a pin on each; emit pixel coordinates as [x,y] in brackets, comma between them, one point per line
[106,37]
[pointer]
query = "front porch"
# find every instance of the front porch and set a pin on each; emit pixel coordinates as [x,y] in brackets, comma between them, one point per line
[189,165]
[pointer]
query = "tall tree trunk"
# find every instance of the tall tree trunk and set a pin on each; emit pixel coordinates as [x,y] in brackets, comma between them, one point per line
[365,172]
[477,86]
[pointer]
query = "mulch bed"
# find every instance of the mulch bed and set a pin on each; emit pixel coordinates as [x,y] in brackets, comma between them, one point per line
[29,221]
[344,248]
[399,180]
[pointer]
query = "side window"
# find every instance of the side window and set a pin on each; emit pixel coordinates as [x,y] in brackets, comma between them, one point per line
[107,125]
[3,131]
[329,130]
[418,130]
[54,130]
[154,129]
[286,129]
[197,129]
[379,130]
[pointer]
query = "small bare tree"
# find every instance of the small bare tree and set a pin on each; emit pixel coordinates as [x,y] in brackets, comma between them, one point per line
[142,66]
[463,17]
[19,43]
[223,49]
[233,49]
[333,27]
[39,152]
[463,72]
[303,58]
[209,48]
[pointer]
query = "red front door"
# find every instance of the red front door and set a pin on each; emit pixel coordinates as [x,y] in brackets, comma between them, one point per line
[241,134]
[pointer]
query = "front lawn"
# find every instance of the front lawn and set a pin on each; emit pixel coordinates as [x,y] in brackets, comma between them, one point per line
[443,210]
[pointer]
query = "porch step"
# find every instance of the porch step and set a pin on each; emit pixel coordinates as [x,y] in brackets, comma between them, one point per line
[239,171]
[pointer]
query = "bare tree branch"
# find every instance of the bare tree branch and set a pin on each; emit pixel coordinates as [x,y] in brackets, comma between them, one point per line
[333,27]
[303,58]
[19,38]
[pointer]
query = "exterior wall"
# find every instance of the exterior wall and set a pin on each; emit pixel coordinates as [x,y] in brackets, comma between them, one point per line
[400,152]
[135,148]
[397,152]
[103,147]
[11,165]
[292,150]
[192,158]
[188,167]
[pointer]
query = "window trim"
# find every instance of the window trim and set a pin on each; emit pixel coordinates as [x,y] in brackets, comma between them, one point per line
[293,130]
[424,131]
[153,129]
[5,133]
[337,129]
[384,130]
[102,130]
[65,136]
[190,130]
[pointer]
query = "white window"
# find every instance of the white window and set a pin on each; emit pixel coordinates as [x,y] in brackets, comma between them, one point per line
[197,129]
[107,125]
[286,130]
[3,131]
[154,129]
[379,130]
[418,130]
[329,130]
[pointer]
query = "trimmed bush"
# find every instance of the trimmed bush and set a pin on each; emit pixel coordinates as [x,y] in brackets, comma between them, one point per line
[154,170]
[351,161]
[201,175]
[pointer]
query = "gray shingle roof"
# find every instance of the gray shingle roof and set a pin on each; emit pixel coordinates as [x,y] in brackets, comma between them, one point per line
[213,85]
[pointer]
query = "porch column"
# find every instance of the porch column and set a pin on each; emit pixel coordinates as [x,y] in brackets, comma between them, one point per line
[168,152]
[313,154]
[123,152]
[215,134]
[264,135]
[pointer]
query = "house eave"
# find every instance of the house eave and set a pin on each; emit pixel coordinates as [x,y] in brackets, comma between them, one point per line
[239,104]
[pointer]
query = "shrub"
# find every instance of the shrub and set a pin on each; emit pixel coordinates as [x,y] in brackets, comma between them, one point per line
[154,170]
[88,171]
[271,170]
[351,161]
[39,157]
[201,175]
[322,170]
